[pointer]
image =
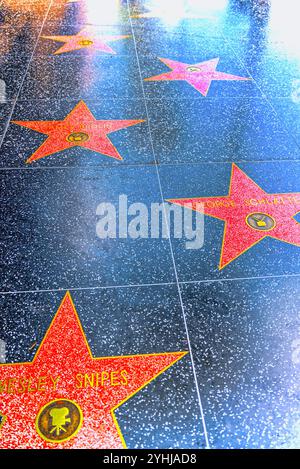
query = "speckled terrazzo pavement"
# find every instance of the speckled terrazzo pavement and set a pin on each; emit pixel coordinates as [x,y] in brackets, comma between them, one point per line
[141,342]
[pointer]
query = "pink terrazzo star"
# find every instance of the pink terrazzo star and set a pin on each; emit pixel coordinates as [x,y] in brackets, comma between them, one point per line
[199,75]
[85,39]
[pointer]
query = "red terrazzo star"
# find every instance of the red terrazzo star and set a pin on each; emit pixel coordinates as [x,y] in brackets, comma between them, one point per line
[250,214]
[85,39]
[79,128]
[199,75]
[65,397]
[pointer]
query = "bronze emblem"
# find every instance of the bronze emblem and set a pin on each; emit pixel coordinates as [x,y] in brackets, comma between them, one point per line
[192,68]
[85,42]
[260,221]
[59,420]
[77,137]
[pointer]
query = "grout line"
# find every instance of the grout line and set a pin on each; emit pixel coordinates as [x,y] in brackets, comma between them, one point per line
[81,168]
[102,287]
[175,98]
[69,99]
[149,164]
[240,279]
[146,285]
[14,101]
[171,250]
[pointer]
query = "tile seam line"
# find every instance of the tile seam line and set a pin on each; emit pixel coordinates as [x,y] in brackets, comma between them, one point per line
[146,165]
[14,101]
[174,98]
[239,279]
[170,244]
[148,285]
[102,287]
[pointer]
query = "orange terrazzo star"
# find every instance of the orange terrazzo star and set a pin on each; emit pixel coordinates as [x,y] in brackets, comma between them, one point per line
[66,398]
[85,39]
[250,214]
[79,128]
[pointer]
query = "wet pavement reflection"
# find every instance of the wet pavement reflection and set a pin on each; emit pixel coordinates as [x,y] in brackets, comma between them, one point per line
[113,334]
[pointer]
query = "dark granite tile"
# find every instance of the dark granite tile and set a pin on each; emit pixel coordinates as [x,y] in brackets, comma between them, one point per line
[184,45]
[245,342]
[59,77]
[204,27]
[12,71]
[218,129]
[51,229]
[5,110]
[18,42]
[274,67]
[288,111]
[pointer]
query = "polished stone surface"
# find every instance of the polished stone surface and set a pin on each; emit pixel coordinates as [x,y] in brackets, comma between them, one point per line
[71,77]
[51,219]
[245,342]
[221,130]
[208,93]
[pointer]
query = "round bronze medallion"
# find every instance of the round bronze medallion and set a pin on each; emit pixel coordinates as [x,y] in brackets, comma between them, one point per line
[193,68]
[59,420]
[260,221]
[85,42]
[77,137]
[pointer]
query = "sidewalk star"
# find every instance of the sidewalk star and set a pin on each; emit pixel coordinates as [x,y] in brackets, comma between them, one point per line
[85,39]
[65,397]
[79,128]
[250,214]
[199,75]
